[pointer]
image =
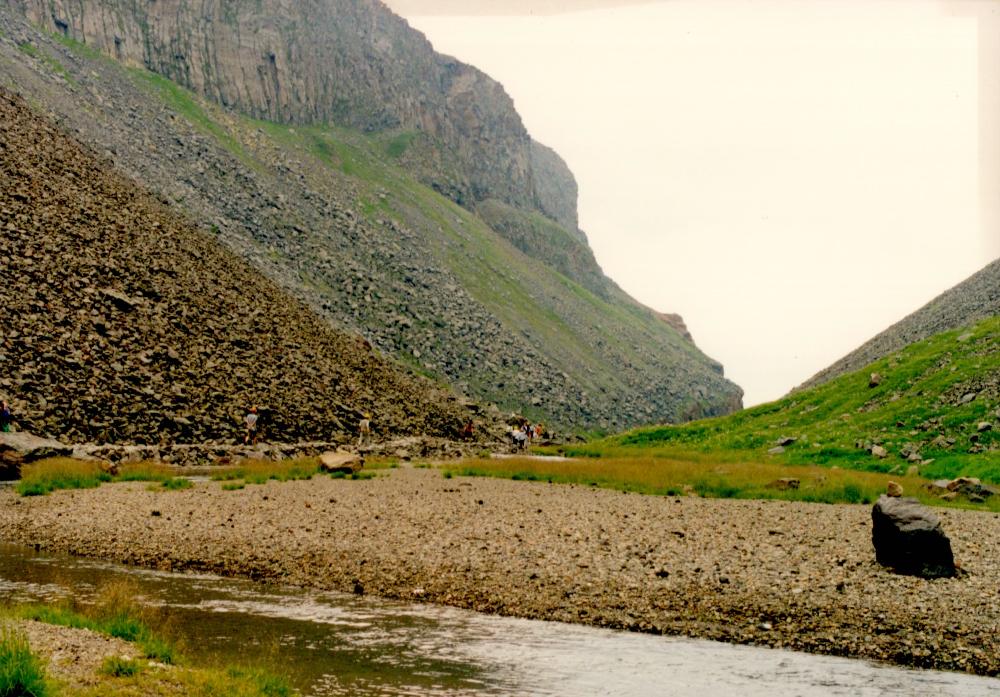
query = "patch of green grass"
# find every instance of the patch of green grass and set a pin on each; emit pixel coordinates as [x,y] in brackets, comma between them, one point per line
[234,486]
[118,667]
[46,476]
[177,484]
[400,143]
[702,476]
[263,471]
[51,61]
[268,684]
[188,105]
[21,672]
[116,613]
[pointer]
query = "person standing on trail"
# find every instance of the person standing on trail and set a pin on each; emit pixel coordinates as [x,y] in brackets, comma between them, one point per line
[364,429]
[6,418]
[250,420]
[468,431]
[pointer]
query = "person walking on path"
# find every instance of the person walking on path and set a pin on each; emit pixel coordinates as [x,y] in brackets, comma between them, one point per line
[364,429]
[6,418]
[250,420]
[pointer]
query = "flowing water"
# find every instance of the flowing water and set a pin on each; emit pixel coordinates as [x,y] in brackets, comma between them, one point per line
[336,644]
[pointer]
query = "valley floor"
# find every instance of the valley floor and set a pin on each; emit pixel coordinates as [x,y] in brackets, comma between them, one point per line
[774,573]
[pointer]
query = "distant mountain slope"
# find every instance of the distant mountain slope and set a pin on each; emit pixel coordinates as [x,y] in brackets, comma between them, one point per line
[123,324]
[974,299]
[520,315]
[935,407]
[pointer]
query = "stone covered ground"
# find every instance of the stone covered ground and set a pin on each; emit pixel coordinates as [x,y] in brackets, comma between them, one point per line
[123,324]
[793,575]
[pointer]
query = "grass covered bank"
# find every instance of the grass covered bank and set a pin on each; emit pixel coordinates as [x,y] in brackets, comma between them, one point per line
[110,649]
[55,474]
[928,412]
[702,475]
[933,406]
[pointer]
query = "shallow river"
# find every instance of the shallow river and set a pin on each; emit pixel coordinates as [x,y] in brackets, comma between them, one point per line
[335,644]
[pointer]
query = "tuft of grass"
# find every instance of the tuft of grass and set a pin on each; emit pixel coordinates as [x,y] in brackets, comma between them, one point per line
[234,486]
[262,471]
[144,471]
[268,684]
[116,613]
[45,476]
[400,143]
[21,672]
[118,667]
[177,484]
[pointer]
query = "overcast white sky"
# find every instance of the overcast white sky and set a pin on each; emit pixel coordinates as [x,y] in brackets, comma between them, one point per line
[792,177]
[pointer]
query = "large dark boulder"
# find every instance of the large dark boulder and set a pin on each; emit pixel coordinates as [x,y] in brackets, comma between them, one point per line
[909,539]
[20,448]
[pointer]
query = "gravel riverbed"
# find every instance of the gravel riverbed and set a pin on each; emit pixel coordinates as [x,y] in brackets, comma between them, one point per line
[773,573]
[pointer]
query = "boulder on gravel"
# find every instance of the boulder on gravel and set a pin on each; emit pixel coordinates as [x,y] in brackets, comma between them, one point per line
[909,539]
[341,461]
[20,448]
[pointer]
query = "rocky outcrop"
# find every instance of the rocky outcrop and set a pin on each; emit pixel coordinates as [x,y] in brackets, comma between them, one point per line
[540,238]
[123,324]
[677,322]
[909,539]
[971,301]
[17,449]
[351,62]
[555,189]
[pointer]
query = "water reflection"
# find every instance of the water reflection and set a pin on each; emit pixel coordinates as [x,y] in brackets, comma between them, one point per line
[334,644]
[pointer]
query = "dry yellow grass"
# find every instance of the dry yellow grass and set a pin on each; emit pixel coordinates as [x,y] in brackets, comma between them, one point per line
[698,475]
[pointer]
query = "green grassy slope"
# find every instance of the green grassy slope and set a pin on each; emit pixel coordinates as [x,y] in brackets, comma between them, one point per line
[932,399]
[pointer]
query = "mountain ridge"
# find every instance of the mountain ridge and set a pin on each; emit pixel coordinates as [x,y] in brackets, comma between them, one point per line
[972,300]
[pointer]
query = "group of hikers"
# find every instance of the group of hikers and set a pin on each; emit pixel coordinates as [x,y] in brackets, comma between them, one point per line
[522,433]
[252,423]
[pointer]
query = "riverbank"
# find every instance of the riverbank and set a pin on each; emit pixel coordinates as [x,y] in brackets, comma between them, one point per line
[773,573]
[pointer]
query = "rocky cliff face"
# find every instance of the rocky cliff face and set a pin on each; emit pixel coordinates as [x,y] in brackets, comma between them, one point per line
[351,62]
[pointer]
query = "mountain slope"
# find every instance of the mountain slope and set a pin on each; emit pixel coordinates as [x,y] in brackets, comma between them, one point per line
[123,324]
[974,299]
[346,221]
[935,407]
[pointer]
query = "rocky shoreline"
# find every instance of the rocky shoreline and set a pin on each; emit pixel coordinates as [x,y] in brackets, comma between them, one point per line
[773,573]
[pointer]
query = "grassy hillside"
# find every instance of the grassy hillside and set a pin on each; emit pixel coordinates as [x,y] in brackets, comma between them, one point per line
[927,411]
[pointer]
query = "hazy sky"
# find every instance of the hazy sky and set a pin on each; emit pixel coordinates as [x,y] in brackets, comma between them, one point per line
[792,177]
